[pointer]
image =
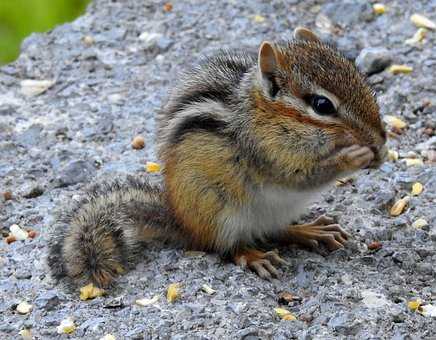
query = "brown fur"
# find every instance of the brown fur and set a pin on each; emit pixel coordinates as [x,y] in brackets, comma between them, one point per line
[229,129]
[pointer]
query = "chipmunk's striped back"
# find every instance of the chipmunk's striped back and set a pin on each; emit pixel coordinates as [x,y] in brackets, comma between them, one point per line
[206,98]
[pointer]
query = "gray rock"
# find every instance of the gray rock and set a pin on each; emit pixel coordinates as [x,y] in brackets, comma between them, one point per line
[31,136]
[76,172]
[373,60]
[48,300]
[110,91]
[344,324]
[34,191]
[429,144]
[348,12]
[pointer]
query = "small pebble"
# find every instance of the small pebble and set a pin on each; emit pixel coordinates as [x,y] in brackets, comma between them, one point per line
[138,143]
[420,223]
[7,195]
[373,60]
[18,233]
[168,7]
[88,40]
[24,308]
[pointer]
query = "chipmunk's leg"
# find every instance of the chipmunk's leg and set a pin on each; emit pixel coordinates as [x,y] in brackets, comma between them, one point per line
[323,229]
[262,263]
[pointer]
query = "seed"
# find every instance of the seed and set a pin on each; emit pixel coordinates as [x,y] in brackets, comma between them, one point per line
[414,305]
[399,206]
[108,337]
[152,167]
[208,290]
[421,21]
[419,223]
[379,8]
[417,189]
[285,314]
[417,37]
[395,122]
[413,161]
[138,143]
[173,292]
[392,155]
[10,239]
[146,302]
[90,292]
[67,326]
[31,87]
[397,69]
[258,18]
[26,334]
[285,298]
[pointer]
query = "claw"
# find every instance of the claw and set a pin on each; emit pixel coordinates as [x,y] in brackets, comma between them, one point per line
[274,257]
[320,230]
[262,263]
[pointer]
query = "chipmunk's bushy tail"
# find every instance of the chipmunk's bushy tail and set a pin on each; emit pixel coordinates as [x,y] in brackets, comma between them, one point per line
[103,234]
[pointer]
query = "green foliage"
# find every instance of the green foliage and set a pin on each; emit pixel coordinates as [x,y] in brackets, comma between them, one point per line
[19,18]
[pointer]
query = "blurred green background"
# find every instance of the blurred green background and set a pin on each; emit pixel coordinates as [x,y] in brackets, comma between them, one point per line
[19,18]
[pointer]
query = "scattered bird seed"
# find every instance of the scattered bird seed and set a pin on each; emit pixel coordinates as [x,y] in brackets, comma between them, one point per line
[24,308]
[207,289]
[397,69]
[420,223]
[284,314]
[399,206]
[32,88]
[90,292]
[417,189]
[152,167]
[422,21]
[147,302]
[66,326]
[173,292]
[379,8]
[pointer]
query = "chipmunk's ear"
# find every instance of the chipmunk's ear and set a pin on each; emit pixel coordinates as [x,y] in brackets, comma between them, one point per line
[267,61]
[305,34]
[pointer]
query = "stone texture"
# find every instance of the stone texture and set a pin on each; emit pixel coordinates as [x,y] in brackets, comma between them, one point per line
[107,90]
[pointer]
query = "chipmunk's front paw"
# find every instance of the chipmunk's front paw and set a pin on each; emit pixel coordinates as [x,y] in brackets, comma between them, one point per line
[356,157]
[262,263]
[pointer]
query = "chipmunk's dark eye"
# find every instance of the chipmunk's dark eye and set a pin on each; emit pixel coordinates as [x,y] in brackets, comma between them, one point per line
[322,105]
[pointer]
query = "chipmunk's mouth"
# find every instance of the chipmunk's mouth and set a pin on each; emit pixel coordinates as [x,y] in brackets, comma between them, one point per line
[380,155]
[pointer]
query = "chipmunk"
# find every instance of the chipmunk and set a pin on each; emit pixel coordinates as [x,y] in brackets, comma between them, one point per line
[246,142]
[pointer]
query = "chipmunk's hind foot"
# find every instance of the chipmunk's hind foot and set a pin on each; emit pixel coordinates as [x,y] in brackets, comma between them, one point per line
[262,263]
[323,230]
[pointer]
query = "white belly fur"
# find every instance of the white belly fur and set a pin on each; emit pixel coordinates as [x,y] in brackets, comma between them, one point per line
[271,209]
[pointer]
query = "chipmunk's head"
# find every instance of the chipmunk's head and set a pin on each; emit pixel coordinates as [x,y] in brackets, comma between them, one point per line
[308,89]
